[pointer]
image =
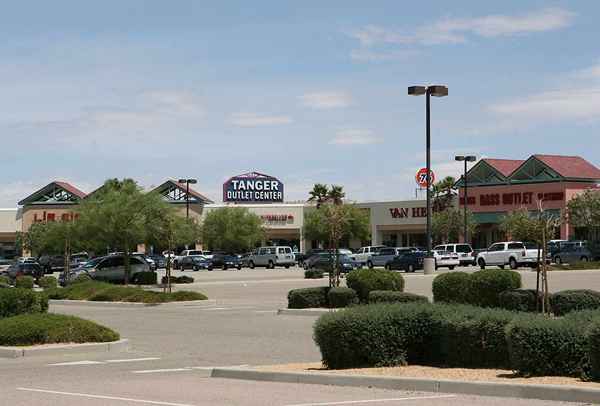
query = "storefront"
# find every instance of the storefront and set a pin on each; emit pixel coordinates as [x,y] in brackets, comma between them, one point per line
[497,187]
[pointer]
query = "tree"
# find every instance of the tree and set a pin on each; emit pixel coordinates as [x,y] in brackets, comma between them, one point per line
[318,194]
[443,194]
[448,225]
[232,229]
[584,211]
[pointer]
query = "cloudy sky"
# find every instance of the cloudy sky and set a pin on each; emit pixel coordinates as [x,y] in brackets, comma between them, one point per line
[306,91]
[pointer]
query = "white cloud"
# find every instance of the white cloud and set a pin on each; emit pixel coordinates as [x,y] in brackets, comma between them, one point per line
[326,100]
[354,137]
[257,120]
[367,55]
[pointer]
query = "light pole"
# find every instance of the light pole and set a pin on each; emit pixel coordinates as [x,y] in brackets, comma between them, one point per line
[465,159]
[187,194]
[428,91]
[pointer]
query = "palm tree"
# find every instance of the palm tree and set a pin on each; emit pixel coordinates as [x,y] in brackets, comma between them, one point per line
[319,194]
[336,194]
[443,193]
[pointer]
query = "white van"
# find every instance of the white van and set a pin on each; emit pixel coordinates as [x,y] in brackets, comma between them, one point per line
[464,251]
[271,257]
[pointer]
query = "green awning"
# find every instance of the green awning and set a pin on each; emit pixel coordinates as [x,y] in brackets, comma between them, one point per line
[488,218]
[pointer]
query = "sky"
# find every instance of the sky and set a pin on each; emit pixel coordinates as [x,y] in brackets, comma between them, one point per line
[309,92]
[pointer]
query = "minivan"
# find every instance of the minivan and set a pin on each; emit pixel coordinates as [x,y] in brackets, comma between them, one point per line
[271,257]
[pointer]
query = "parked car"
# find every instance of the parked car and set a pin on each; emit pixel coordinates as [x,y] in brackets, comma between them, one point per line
[25,269]
[195,262]
[225,261]
[364,253]
[570,252]
[51,263]
[409,262]
[300,257]
[465,252]
[271,257]
[79,258]
[159,260]
[150,261]
[325,261]
[445,259]
[112,268]
[386,254]
[511,253]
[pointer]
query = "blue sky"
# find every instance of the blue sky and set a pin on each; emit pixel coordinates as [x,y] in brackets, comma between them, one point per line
[307,91]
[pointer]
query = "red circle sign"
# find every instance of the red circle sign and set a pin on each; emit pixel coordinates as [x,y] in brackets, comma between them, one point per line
[421,177]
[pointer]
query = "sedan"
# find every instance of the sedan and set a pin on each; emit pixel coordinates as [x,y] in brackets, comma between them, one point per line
[409,262]
[25,269]
[195,262]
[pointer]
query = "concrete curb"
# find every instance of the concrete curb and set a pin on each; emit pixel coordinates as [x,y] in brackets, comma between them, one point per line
[498,389]
[91,303]
[34,351]
[305,312]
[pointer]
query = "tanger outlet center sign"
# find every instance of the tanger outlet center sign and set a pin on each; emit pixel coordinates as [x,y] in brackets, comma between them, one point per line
[253,187]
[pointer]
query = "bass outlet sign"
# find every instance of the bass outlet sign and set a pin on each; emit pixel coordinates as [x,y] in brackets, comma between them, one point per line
[253,187]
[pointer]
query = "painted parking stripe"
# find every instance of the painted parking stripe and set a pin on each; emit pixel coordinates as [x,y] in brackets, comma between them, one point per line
[117,361]
[92,396]
[358,402]
[86,362]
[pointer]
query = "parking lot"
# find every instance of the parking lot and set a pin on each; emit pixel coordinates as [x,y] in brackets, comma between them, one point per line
[172,347]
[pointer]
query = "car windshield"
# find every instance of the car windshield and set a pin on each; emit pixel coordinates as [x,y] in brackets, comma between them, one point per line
[198,258]
[463,248]
[92,263]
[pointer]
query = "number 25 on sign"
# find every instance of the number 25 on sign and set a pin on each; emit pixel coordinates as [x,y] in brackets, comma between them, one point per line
[421,177]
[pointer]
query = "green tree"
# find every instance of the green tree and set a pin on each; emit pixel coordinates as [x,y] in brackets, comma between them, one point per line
[232,229]
[448,225]
[583,211]
[444,193]
[318,194]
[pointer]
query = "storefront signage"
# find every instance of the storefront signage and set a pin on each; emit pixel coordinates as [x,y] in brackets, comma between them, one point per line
[253,187]
[405,212]
[49,216]
[277,218]
[515,199]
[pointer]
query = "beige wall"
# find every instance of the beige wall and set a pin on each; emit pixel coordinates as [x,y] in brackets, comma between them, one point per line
[403,216]
[40,212]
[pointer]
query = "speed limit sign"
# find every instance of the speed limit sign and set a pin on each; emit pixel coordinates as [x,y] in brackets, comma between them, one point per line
[421,177]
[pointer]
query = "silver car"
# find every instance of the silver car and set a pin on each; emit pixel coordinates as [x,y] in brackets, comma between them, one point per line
[112,268]
[271,257]
[385,255]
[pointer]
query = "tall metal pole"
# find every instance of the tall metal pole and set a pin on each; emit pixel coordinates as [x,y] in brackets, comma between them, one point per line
[187,199]
[428,147]
[466,203]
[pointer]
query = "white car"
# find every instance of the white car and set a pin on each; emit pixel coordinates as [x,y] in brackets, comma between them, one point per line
[511,253]
[464,251]
[445,259]
[364,253]
[185,253]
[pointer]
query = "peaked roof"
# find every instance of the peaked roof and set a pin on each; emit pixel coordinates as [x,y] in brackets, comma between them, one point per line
[504,166]
[171,186]
[570,166]
[54,193]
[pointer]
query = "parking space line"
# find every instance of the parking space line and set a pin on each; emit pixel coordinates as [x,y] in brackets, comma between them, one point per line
[92,396]
[358,402]
[86,362]
[154,371]
[116,361]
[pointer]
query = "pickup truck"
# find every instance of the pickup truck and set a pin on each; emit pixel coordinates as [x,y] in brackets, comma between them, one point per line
[511,253]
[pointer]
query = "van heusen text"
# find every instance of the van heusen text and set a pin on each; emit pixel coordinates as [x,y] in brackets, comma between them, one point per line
[254,190]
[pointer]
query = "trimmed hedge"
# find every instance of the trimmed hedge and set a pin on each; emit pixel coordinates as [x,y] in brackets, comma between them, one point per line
[18,301]
[4,280]
[567,301]
[341,297]
[30,329]
[177,279]
[364,281]
[389,296]
[593,350]
[47,282]
[81,278]
[313,274]
[308,297]
[522,300]
[24,282]
[452,287]
[145,278]
[486,286]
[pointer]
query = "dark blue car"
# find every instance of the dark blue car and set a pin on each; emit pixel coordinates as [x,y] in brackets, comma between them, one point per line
[409,262]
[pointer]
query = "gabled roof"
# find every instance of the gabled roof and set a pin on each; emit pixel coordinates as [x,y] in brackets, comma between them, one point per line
[54,193]
[573,167]
[175,192]
[505,166]
[483,173]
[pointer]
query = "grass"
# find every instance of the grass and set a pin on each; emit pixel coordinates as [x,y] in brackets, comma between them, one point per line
[32,329]
[106,292]
[576,266]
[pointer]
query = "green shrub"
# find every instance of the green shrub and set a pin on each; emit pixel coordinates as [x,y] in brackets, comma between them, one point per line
[24,282]
[177,279]
[313,274]
[145,278]
[365,280]
[486,286]
[4,280]
[18,301]
[593,350]
[184,295]
[47,282]
[521,300]
[33,329]
[451,287]
[341,297]
[567,301]
[308,297]
[81,278]
[544,346]
[390,296]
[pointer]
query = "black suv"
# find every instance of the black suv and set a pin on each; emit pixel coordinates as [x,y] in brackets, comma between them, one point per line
[409,262]
[225,261]
[25,269]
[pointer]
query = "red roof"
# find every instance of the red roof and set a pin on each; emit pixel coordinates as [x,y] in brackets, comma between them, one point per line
[71,189]
[504,166]
[570,166]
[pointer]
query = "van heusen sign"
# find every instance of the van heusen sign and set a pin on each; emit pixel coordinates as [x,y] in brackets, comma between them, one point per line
[253,187]
[405,212]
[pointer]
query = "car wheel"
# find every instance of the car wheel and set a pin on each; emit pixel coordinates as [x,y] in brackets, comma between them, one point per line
[584,259]
[557,260]
[451,267]
[239,267]
[251,264]
[305,266]
[286,266]
[271,265]
[196,268]
[175,265]
[481,263]
[513,263]
[370,264]
[387,267]
[501,266]
[410,268]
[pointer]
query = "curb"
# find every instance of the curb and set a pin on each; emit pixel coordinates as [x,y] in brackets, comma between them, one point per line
[497,389]
[34,351]
[305,312]
[91,303]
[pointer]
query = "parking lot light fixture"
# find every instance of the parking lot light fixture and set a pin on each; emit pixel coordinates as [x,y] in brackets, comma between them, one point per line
[465,159]
[428,91]
[187,194]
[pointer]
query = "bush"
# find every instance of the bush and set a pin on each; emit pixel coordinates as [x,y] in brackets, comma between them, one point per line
[177,279]
[364,281]
[543,346]
[145,278]
[593,350]
[47,282]
[308,297]
[33,329]
[567,301]
[389,296]
[313,274]
[24,282]
[4,280]
[341,297]
[452,287]
[522,300]
[81,278]
[14,302]
[486,286]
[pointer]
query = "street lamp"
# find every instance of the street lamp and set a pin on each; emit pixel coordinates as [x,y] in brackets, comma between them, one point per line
[428,91]
[465,159]
[187,194]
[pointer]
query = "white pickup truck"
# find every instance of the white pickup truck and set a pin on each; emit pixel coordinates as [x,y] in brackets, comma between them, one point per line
[511,253]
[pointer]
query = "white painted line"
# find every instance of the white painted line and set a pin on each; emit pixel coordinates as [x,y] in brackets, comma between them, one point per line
[117,361]
[265,311]
[153,371]
[231,366]
[91,396]
[356,402]
[60,364]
